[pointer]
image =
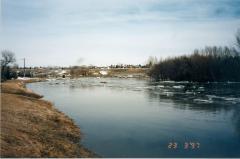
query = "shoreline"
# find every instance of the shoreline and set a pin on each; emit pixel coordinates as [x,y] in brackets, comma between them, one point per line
[33,127]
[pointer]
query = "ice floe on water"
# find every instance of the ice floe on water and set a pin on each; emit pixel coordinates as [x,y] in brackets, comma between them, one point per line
[226,99]
[203,101]
[200,89]
[179,87]
[160,86]
[197,93]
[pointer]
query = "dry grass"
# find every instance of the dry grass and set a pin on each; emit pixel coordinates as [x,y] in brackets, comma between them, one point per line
[18,87]
[31,127]
[75,72]
[128,71]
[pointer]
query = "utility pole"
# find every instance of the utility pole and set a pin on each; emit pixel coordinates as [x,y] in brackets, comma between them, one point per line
[24,69]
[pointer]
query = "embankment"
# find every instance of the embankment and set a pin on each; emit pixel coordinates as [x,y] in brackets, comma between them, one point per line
[32,127]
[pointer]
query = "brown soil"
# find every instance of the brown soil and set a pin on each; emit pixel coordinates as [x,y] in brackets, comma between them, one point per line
[32,127]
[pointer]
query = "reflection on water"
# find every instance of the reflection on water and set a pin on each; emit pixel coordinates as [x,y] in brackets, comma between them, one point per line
[139,118]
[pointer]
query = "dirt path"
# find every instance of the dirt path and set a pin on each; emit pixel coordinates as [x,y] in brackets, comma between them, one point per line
[32,127]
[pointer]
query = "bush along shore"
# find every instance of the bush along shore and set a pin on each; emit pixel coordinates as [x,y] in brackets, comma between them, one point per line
[212,64]
[32,127]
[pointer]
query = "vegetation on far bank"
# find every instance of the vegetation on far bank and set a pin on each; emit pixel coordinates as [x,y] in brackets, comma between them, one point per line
[111,72]
[206,65]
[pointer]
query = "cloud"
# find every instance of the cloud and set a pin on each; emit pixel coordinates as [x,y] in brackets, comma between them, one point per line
[111,31]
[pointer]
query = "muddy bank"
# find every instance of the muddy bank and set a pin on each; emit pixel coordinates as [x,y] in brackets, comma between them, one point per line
[32,127]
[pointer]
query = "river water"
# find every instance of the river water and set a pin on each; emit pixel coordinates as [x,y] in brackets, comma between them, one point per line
[142,118]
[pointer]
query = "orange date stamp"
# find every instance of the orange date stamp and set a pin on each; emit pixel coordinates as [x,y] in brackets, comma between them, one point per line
[186,145]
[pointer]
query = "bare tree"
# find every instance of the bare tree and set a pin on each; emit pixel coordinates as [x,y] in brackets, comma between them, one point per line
[151,61]
[238,40]
[7,58]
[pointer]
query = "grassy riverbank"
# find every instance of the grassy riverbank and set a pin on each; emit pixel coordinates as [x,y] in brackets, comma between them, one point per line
[32,127]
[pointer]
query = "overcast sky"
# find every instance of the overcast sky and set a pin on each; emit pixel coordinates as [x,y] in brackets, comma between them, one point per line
[104,32]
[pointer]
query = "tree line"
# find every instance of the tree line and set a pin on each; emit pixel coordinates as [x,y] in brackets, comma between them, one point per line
[204,65]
